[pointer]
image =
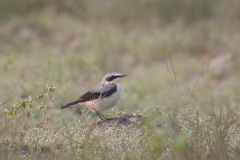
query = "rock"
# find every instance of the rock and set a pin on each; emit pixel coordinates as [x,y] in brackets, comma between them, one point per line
[119,120]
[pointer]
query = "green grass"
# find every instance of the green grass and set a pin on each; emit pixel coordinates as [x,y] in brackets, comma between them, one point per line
[70,45]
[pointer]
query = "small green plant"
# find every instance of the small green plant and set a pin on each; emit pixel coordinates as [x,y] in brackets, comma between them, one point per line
[28,107]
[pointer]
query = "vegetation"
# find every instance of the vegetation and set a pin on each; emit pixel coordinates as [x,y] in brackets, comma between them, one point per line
[181,57]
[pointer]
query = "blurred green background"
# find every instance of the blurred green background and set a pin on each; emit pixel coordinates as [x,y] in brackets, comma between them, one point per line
[72,44]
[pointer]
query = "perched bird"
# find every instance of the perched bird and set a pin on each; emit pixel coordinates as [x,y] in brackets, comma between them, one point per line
[104,96]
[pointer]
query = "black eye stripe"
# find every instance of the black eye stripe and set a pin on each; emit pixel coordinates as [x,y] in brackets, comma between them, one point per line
[112,78]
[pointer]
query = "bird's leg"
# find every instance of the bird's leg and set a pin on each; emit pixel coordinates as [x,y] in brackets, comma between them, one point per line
[101,116]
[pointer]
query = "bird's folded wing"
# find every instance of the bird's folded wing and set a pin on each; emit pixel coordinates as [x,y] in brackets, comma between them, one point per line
[100,90]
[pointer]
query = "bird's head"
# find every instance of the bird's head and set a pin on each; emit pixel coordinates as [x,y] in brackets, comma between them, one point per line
[112,77]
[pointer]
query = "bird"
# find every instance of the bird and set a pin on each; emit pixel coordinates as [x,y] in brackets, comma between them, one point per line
[102,97]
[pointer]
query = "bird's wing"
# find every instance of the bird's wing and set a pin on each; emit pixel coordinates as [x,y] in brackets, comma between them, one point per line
[100,90]
[70,104]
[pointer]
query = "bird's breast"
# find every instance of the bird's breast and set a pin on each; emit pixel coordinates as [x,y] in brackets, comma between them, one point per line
[108,102]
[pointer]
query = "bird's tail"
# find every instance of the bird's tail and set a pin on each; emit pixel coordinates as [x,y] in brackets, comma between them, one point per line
[70,104]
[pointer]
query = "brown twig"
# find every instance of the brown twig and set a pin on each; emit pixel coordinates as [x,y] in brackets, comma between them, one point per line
[48,125]
[174,78]
[93,104]
[203,71]
[4,101]
[169,73]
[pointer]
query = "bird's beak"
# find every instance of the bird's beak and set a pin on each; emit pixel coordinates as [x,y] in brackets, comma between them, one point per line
[123,76]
